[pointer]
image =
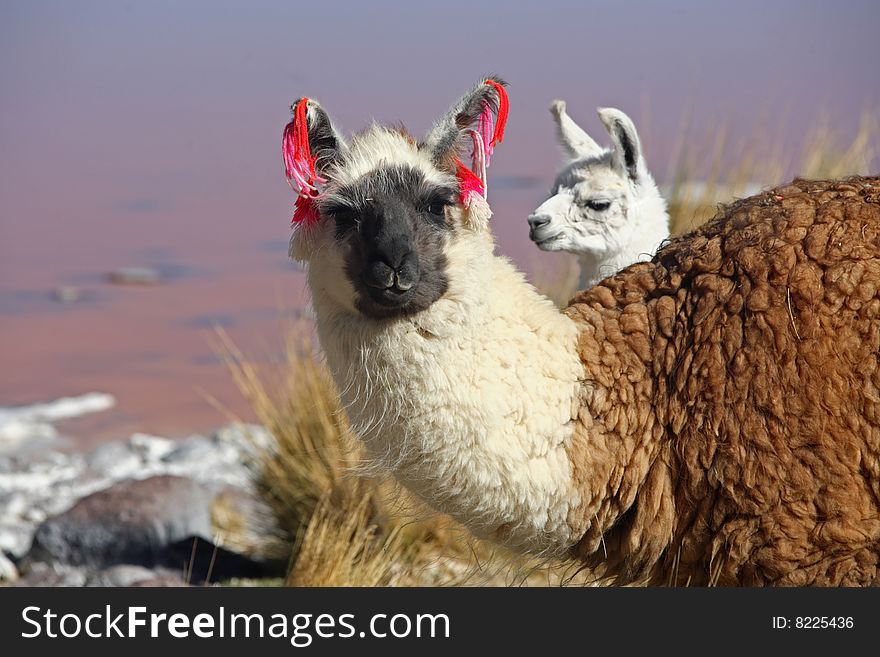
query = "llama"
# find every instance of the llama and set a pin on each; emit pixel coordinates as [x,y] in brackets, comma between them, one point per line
[605,206]
[710,416]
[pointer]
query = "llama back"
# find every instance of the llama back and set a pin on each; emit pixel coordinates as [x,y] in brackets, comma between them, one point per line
[750,348]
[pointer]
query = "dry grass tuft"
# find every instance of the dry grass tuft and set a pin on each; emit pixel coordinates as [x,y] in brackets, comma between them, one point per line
[313,448]
[343,547]
[728,171]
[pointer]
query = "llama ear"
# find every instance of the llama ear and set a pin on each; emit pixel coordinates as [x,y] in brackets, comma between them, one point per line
[574,141]
[449,136]
[627,146]
[309,147]
[325,144]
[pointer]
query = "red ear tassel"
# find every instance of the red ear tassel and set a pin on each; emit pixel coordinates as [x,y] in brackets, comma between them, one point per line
[503,109]
[299,164]
[468,183]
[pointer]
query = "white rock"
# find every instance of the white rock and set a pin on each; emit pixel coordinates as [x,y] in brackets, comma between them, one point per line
[115,460]
[8,571]
[151,448]
[15,539]
[39,484]
[248,438]
[24,424]
[121,575]
[67,294]
[135,276]
[42,574]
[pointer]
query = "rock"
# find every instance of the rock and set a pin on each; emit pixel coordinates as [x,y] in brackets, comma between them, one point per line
[62,409]
[67,294]
[203,562]
[8,571]
[15,539]
[135,276]
[192,451]
[161,580]
[131,522]
[127,575]
[138,503]
[33,469]
[246,438]
[116,459]
[42,574]
[151,448]
[22,425]
[208,461]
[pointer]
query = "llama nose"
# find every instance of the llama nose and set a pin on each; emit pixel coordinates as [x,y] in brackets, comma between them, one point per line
[383,276]
[537,221]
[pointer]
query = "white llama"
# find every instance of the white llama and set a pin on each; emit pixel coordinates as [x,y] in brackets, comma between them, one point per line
[711,415]
[605,208]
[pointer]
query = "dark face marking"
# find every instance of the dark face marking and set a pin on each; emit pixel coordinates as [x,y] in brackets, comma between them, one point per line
[394,225]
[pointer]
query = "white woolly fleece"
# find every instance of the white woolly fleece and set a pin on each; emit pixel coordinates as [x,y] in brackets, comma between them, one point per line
[469,403]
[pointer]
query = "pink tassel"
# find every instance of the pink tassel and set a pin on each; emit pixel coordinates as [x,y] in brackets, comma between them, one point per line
[480,160]
[486,129]
[299,165]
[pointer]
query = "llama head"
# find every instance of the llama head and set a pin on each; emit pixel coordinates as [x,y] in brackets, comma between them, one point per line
[589,210]
[379,232]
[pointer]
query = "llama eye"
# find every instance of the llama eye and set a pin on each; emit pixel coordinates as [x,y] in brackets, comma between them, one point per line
[598,206]
[437,208]
[346,219]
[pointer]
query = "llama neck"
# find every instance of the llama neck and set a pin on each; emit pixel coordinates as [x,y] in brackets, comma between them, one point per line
[617,452]
[469,404]
[649,221]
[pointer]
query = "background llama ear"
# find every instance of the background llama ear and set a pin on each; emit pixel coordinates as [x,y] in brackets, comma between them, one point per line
[574,141]
[627,146]
[449,136]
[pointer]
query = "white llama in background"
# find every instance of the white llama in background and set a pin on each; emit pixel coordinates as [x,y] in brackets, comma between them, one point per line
[605,208]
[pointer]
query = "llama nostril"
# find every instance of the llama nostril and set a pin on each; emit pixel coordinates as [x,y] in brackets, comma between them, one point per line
[379,275]
[402,283]
[538,221]
[406,276]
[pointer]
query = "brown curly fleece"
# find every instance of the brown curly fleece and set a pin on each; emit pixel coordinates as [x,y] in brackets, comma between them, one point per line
[731,416]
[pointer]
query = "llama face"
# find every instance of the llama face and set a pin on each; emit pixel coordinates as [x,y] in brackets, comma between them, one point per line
[587,212]
[391,225]
[387,214]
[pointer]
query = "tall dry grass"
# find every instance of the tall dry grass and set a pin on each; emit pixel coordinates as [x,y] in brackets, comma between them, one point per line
[342,546]
[708,172]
